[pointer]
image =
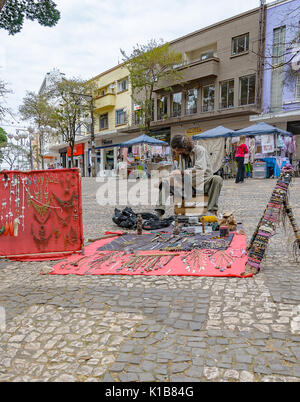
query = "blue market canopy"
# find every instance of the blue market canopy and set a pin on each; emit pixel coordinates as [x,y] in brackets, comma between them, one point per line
[260,129]
[143,139]
[219,131]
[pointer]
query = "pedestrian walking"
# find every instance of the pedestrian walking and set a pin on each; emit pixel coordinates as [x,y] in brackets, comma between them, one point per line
[241,150]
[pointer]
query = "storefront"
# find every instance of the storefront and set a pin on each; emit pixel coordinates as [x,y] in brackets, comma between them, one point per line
[78,157]
[294,127]
[106,158]
[63,157]
[162,135]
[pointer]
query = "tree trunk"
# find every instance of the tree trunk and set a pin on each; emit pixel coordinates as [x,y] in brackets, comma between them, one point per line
[41,151]
[37,158]
[2,4]
[72,154]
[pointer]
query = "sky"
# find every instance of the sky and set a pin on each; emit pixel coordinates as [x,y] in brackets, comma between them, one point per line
[90,33]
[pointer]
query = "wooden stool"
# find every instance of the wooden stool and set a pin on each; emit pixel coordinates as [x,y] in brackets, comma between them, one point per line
[196,206]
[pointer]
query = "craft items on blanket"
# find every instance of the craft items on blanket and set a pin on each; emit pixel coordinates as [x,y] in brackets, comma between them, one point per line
[147,263]
[194,262]
[266,228]
[185,241]
[221,260]
[139,225]
[228,220]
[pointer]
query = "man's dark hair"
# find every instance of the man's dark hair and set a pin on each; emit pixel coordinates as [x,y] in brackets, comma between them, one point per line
[183,142]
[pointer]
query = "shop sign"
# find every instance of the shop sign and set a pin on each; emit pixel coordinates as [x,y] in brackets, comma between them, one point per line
[267,144]
[137,107]
[193,131]
[77,150]
[106,142]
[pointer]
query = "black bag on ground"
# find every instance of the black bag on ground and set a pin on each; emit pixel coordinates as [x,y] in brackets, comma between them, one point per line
[128,219]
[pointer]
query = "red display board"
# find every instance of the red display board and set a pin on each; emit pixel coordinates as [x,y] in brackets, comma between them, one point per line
[40,214]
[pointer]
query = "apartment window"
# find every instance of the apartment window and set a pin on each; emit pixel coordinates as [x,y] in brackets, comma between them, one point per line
[103,121]
[208,98]
[278,52]
[176,104]
[123,85]
[298,88]
[227,94]
[191,101]
[247,90]
[162,107]
[120,116]
[207,55]
[278,45]
[240,44]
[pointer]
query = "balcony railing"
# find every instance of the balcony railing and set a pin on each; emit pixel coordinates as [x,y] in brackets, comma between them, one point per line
[191,110]
[207,108]
[176,113]
[105,101]
[223,106]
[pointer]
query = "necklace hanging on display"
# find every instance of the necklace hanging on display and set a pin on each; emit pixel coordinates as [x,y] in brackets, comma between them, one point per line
[40,221]
[42,241]
[16,227]
[64,204]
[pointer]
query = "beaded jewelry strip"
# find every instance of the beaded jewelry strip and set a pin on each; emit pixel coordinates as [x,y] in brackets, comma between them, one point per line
[271,216]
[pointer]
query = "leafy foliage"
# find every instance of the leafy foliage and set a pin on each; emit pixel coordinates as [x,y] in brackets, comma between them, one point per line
[149,65]
[38,109]
[73,101]
[3,137]
[14,12]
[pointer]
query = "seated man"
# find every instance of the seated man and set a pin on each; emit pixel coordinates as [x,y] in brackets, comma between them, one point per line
[202,178]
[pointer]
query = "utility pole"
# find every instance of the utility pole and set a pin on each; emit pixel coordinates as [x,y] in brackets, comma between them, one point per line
[93,151]
[261,55]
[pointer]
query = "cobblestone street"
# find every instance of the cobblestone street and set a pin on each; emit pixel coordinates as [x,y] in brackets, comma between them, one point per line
[133,328]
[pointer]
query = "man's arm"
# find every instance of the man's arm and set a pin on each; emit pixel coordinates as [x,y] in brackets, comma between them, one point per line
[200,159]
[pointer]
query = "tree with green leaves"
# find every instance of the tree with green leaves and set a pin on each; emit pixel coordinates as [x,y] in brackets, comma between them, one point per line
[37,109]
[3,137]
[13,13]
[73,100]
[149,65]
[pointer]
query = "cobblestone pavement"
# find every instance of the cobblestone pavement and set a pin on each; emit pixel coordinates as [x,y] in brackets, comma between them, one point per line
[133,328]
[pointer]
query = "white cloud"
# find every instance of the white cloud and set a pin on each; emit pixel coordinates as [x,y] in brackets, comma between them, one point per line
[90,33]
